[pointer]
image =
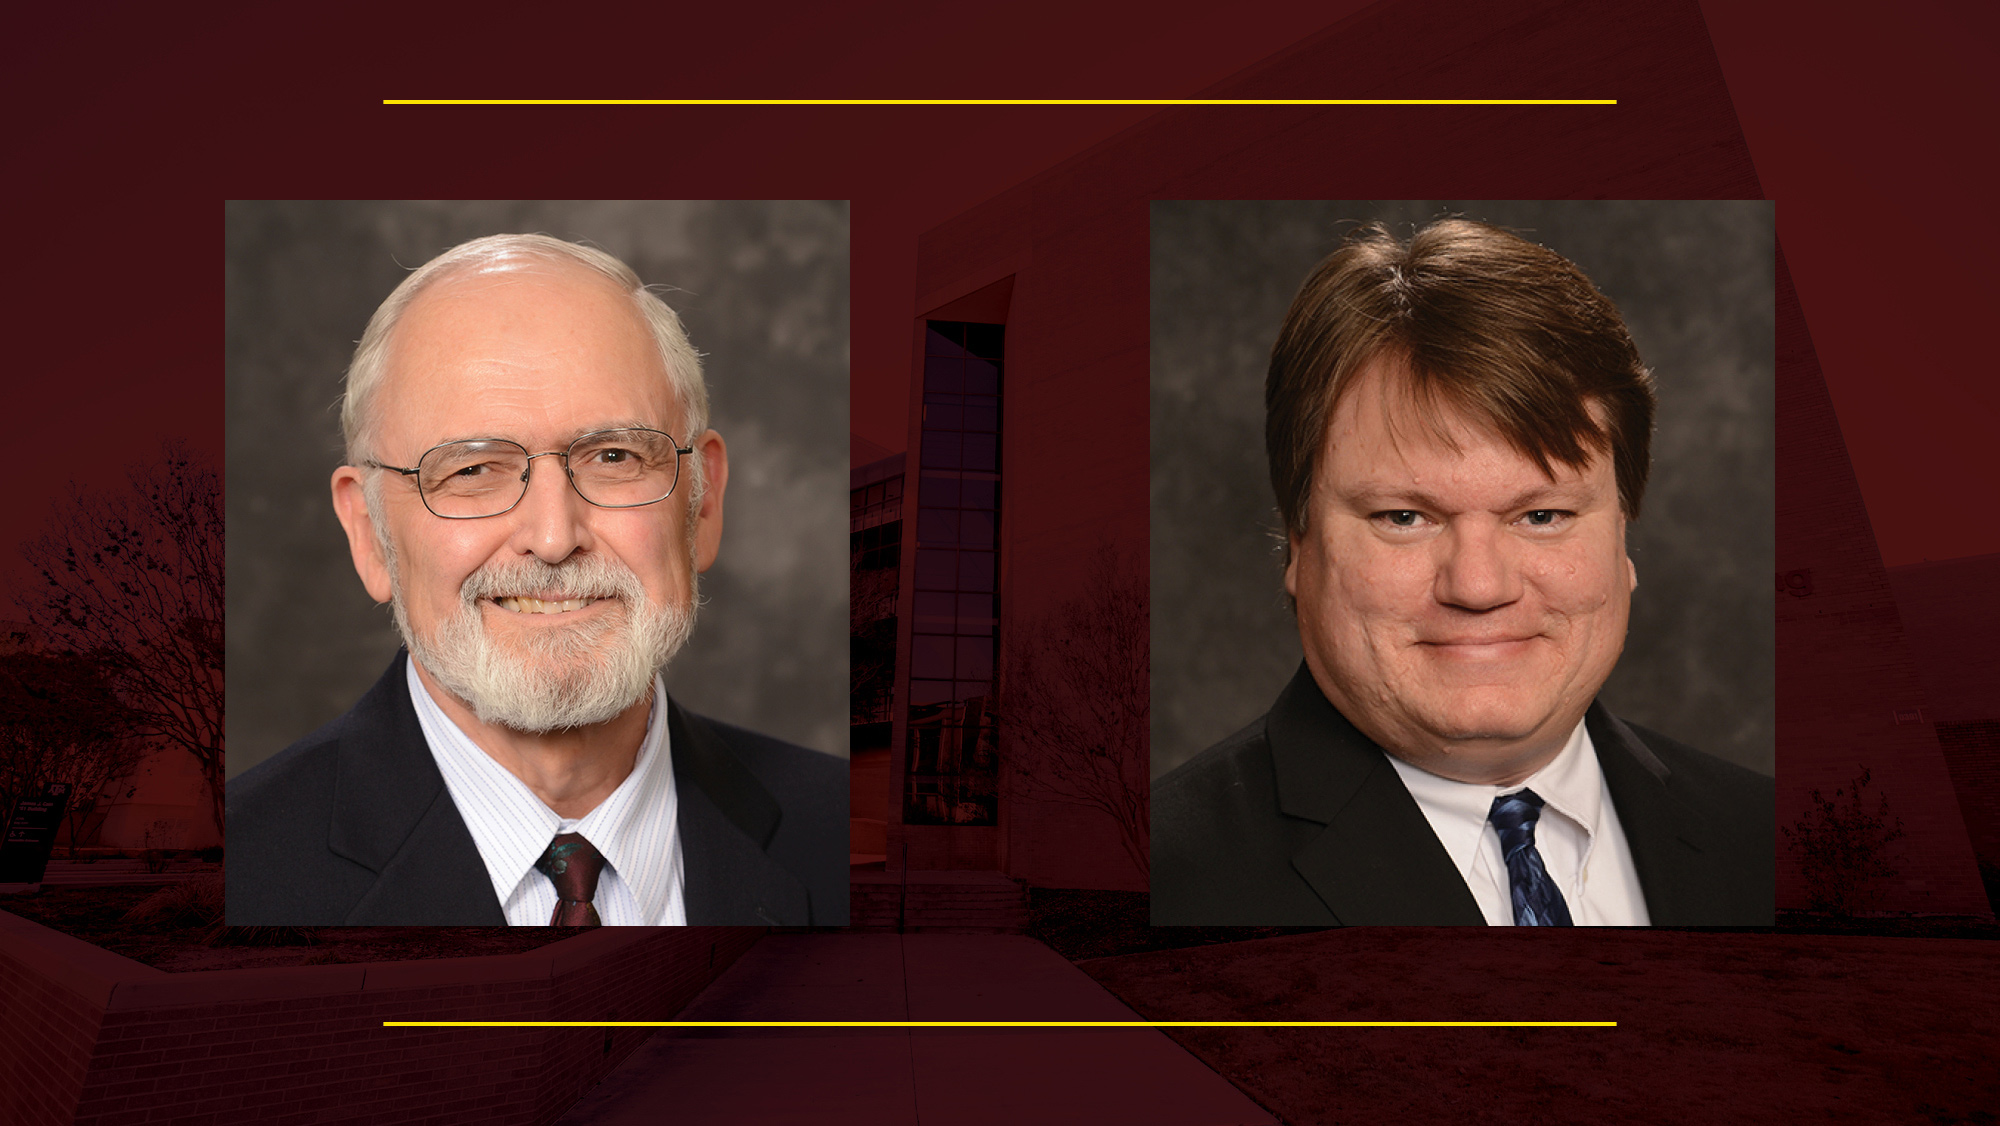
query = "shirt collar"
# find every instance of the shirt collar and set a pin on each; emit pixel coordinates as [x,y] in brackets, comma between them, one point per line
[1570,784]
[512,827]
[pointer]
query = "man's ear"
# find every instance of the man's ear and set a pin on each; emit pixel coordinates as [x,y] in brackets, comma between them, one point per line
[715,478]
[1291,565]
[351,505]
[1631,574]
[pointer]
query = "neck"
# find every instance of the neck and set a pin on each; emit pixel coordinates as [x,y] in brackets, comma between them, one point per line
[573,770]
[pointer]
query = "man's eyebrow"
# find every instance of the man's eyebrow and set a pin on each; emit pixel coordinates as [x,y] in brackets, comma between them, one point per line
[629,423]
[1369,494]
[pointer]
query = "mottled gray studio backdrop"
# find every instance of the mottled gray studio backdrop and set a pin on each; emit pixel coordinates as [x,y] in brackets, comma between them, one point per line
[1694,281]
[762,287]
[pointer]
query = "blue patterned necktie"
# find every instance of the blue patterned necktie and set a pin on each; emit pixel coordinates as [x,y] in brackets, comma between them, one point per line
[1537,902]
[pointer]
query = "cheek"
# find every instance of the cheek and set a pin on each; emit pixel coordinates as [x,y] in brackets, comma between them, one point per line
[435,566]
[1376,585]
[1582,584]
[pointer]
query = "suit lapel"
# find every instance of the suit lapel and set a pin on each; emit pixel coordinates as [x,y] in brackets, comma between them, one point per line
[726,821]
[1377,861]
[393,816]
[1669,839]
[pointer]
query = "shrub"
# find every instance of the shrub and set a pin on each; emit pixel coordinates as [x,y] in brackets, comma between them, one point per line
[191,903]
[1842,847]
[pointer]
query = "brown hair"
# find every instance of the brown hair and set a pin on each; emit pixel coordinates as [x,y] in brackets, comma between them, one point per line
[1487,324]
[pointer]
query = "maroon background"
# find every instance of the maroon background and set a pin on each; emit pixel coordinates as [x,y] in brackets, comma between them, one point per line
[130,124]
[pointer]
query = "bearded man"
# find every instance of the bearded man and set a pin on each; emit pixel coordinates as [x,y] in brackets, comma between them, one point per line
[532,485]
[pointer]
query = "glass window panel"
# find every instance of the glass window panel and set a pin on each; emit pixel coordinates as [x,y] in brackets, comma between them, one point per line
[975,528]
[975,607]
[937,570]
[981,378]
[892,489]
[970,689]
[982,418]
[985,340]
[931,656]
[938,492]
[945,338]
[943,416]
[929,691]
[975,570]
[944,373]
[981,400]
[978,494]
[982,451]
[937,525]
[936,612]
[941,449]
[975,657]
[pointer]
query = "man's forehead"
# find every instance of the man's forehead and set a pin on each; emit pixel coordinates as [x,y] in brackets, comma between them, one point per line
[540,341]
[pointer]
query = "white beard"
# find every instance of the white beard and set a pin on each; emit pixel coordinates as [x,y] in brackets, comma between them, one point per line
[552,678]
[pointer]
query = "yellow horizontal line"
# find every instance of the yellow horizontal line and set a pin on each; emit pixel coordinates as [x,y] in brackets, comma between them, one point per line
[999,1024]
[999,101]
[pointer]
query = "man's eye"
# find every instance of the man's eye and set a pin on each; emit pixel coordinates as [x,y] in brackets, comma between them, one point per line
[1545,517]
[1400,517]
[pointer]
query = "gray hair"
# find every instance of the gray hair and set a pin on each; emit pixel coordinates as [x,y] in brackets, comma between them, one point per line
[364,373]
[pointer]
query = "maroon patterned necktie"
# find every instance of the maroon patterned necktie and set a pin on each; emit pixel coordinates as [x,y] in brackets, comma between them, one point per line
[572,864]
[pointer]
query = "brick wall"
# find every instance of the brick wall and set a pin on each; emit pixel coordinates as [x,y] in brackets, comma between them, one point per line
[114,1042]
[52,994]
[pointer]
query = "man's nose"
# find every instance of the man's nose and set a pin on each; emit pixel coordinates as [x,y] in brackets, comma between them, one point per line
[1478,569]
[549,521]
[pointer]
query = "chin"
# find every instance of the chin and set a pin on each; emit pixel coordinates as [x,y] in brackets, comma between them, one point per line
[1496,722]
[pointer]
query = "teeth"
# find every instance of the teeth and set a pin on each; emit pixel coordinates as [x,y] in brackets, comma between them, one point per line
[537,606]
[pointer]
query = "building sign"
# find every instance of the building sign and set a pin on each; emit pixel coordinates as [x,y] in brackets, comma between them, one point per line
[31,834]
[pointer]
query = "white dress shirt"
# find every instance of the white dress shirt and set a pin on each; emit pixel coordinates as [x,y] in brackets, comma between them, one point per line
[634,828]
[1582,845]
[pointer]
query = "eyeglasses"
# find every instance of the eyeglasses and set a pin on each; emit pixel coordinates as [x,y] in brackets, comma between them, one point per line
[466,480]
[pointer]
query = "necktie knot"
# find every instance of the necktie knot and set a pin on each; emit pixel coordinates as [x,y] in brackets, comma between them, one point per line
[1516,813]
[573,864]
[1536,899]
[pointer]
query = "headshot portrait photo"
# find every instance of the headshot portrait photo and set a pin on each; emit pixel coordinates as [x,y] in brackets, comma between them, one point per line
[527,472]
[1462,537]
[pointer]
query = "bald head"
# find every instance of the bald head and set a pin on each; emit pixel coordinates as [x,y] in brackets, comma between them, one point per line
[529,263]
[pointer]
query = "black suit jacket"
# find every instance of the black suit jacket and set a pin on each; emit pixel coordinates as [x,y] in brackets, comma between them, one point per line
[353,825]
[1299,820]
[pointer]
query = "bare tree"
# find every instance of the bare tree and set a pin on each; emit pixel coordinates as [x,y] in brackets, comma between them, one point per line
[135,579]
[61,722]
[1075,701]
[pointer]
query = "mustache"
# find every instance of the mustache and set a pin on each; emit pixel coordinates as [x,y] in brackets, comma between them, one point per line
[582,576]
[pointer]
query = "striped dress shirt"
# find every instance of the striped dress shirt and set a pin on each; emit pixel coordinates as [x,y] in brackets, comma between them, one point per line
[635,828]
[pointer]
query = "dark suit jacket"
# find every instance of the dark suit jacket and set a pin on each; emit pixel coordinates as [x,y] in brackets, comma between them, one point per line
[1299,820]
[353,825]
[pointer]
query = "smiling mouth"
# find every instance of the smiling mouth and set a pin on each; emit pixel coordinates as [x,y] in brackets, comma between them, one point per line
[524,605]
[1474,646]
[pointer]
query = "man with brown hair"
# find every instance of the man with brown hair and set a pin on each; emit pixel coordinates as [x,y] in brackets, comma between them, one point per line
[1458,430]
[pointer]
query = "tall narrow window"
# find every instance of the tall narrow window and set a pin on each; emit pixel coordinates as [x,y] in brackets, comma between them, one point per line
[953,768]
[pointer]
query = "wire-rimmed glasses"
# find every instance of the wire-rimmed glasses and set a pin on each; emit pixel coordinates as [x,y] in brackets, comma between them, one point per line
[625,468]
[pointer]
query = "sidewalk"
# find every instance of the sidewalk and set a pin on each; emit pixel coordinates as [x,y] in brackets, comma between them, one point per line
[936,1077]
